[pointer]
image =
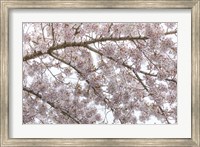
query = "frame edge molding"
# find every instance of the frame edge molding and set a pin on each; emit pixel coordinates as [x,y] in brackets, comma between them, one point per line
[4,66]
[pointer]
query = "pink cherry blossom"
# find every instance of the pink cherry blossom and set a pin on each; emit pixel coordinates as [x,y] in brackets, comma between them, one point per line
[99,73]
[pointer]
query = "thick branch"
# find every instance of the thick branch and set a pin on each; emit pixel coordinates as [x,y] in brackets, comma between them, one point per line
[33,55]
[76,44]
[170,33]
[51,104]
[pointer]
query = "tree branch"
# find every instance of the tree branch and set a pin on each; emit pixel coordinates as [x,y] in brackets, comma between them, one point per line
[51,104]
[106,100]
[132,69]
[86,44]
[170,33]
[79,44]
[76,44]
[124,64]
[33,55]
[155,75]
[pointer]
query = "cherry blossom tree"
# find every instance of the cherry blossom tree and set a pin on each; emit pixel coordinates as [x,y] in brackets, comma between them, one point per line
[99,73]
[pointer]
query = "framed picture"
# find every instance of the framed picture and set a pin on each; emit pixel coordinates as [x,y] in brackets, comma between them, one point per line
[100,73]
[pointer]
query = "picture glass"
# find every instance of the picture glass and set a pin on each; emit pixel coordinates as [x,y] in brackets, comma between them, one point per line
[99,73]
